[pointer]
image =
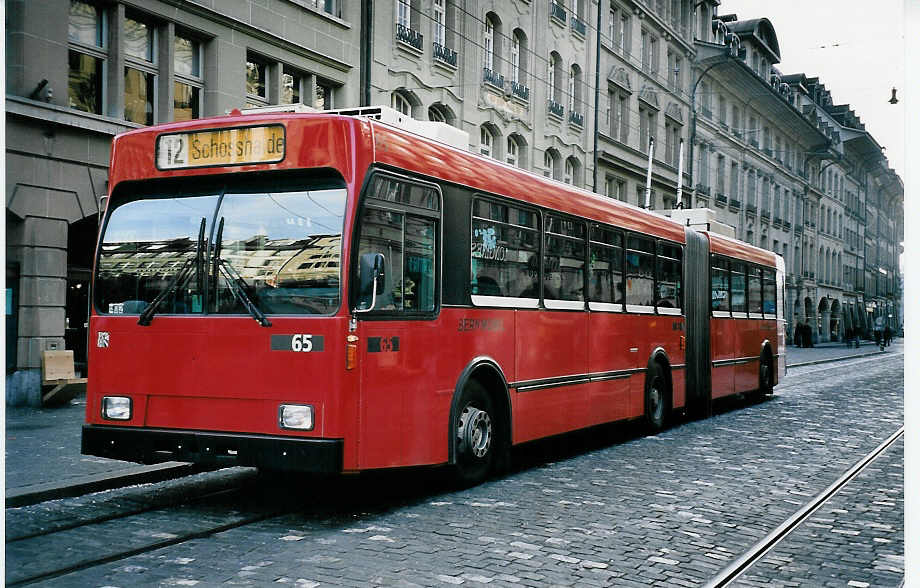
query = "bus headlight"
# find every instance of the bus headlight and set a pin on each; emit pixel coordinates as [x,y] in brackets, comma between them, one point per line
[116,408]
[296,416]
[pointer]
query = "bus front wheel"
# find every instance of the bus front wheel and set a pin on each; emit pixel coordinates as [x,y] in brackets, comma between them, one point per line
[476,435]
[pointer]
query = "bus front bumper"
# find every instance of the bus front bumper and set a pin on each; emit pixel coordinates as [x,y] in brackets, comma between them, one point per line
[151,446]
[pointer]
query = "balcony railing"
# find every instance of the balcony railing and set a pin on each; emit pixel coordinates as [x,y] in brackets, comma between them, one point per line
[493,77]
[787,225]
[578,25]
[765,215]
[555,109]
[577,118]
[408,36]
[557,11]
[751,208]
[520,90]
[721,199]
[798,228]
[736,204]
[444,54]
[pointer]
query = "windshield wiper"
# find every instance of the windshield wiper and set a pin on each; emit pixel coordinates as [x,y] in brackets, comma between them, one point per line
[235,281]
[180,277]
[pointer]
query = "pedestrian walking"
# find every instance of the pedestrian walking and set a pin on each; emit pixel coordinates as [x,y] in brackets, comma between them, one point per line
[887,336]
[797,336]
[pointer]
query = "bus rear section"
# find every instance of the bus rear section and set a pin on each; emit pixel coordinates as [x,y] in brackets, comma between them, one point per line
[217,331]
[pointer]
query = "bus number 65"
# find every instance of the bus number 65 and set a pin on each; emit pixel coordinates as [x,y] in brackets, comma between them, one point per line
[302,343]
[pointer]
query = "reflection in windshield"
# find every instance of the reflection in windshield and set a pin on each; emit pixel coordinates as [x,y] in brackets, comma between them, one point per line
[284,246]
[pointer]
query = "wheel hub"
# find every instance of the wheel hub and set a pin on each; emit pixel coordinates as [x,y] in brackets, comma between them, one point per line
[474,431]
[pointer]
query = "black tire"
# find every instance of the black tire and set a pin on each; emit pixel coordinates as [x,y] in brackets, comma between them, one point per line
[656,398]
[477,438]
[764,379]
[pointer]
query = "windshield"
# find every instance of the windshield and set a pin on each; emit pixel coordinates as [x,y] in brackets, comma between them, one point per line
[214,253]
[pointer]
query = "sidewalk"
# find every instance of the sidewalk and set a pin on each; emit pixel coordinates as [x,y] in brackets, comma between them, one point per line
[822,352]
[43,459]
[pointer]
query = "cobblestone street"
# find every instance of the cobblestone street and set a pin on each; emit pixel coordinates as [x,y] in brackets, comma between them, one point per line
[668,510]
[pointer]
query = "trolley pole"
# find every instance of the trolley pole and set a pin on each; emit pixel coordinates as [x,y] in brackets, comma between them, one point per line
[648,173]
[680,174]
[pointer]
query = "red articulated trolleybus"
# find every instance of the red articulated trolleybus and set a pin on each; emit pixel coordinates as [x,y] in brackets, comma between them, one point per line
[332,293]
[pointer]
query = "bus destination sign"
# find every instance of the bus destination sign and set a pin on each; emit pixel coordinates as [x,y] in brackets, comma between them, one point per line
[263,144]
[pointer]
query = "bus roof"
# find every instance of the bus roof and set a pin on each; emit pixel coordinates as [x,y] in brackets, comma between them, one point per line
[404,150]
[735,248]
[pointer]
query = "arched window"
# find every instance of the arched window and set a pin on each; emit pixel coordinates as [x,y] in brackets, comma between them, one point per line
[402,101]
[519,57]
[555,77]
[488,141]
[575,88]
[551,167]
[438,112]
[491,42]
[516,151]
[569,171]
[401,104]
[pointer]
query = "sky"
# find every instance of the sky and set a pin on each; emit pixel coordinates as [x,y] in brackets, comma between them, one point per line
[856,48]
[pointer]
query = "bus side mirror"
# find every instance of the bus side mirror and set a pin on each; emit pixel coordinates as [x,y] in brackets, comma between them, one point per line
[371,279]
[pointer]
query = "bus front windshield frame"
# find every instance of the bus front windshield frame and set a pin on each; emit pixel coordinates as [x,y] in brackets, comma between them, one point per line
[259,247]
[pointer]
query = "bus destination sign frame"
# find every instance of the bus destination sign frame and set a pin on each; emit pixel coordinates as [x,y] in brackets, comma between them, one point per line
[221,147]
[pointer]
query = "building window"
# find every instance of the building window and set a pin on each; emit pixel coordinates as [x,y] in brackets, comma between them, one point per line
[440,113]
[256,89]
[440,23]
[486,142]
[491,42]
[86,35]
[648,124]
[323,96]
[401,104]
[403,12]
[291,87]
[618,116]
[551,164]
[187,84]
[616,189]
[140,71]
[624,35]
[511,153]
[575,89]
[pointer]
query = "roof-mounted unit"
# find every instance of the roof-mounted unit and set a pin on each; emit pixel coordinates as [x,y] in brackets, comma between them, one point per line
[437,131]
[295,108]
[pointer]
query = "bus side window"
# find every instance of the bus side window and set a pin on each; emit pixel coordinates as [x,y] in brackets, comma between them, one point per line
[640,271]
[668,264]
[739,290]
[769,291]
[605,279]
[504,251]
[720,277]
[755,295]
[564,259]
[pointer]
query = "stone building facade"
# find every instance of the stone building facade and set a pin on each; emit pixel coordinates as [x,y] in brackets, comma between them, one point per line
[528,80]
[775,158]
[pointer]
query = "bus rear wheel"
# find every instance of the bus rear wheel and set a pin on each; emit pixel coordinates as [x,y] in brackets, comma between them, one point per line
[764,380]
[477,436]
[656,398]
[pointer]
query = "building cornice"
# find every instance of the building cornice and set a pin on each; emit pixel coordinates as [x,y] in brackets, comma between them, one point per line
[52,113]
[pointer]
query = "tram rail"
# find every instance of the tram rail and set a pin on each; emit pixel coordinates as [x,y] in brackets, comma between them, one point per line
[758,551]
